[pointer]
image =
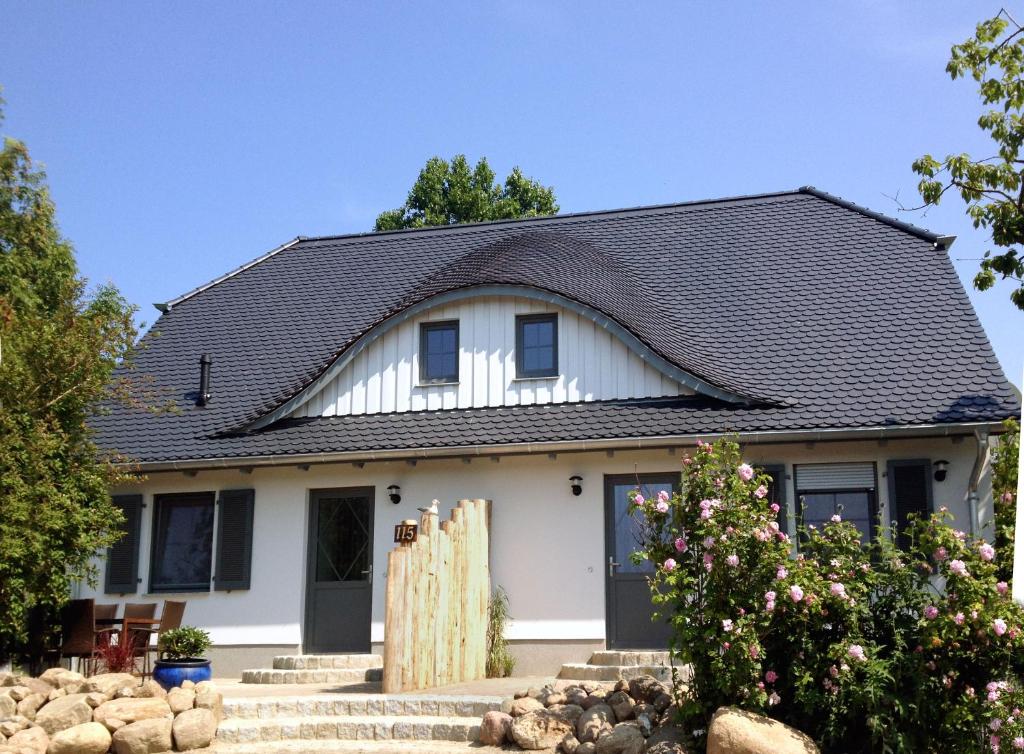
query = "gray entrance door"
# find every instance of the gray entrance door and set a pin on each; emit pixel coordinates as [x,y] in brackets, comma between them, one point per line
[339,570]
[628,621]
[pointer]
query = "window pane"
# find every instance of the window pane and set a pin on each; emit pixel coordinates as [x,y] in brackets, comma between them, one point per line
[627,525]
[440,352]
[536,343]
[853,506]
[343,539]
[184,544]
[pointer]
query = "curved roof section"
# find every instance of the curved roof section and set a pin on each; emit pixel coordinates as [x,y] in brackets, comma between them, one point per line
[795,296]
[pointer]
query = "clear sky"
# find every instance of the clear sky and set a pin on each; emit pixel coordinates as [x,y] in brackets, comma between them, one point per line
[183,139]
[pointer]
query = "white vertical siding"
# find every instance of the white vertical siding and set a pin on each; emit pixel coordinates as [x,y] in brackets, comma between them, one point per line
[593,365]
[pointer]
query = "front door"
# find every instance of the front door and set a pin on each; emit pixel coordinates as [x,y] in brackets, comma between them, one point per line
[339,570]
[628,606]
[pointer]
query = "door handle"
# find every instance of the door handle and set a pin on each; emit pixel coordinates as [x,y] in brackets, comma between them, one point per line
[368,573]
[612,565]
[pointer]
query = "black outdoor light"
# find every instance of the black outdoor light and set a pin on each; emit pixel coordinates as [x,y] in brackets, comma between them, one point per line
[393,491]
[576,484]
[941,467]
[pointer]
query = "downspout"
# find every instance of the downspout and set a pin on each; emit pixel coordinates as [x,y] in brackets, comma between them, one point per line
[980,462]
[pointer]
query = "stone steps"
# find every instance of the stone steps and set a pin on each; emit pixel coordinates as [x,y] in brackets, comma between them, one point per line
[327,662]
[610,666]
[350,728]
[340,675]
[352,747]
[351,705]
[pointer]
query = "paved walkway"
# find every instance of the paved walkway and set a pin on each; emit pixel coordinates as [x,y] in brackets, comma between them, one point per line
[233,688]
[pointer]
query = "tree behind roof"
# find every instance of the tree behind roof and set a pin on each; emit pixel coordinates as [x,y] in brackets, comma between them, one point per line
[448,193]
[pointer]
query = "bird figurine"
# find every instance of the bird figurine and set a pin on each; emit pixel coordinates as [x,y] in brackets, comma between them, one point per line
[432,510]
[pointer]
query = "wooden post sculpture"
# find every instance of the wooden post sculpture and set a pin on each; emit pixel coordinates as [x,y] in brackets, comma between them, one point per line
[438,587]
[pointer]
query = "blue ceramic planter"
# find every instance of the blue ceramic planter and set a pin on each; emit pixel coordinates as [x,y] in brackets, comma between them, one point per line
[171,673]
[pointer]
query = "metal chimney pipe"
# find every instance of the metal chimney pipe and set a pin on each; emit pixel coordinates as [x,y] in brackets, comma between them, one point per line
[204,379]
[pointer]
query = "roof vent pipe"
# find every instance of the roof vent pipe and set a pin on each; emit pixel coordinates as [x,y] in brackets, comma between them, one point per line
[204,379]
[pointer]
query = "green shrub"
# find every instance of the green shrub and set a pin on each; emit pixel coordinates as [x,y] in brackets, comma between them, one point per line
[850,641]
[185,643]
[500,663]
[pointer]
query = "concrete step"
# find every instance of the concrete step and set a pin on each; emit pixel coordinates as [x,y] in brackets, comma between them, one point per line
[355,705]
[327,662]
[334,675]
[350,728]
[611,657]
[350,747]
[578,671]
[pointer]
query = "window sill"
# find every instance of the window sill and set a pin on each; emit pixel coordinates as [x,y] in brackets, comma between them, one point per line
[178,590]
[439,383]
[539,377]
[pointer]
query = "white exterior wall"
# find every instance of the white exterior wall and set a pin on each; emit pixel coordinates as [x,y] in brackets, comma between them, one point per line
[593,365]
[548,547]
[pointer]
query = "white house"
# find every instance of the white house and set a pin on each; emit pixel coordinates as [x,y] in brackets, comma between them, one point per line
[328,388]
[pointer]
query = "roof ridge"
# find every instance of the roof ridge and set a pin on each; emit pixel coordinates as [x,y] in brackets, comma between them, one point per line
[941,241]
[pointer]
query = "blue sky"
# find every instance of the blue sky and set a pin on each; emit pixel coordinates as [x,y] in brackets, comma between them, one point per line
[183,139]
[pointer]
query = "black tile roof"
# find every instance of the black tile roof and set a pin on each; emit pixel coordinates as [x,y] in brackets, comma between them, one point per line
[817,313]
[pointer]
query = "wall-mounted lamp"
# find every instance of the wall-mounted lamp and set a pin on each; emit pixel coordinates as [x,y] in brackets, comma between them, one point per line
[576,484]
[393,491]
[941,467]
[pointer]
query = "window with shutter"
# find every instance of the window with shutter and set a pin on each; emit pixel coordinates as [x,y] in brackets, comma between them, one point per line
[910,491]
[234,539]
[123,557]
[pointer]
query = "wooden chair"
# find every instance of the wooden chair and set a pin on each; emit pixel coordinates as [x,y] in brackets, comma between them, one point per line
[78,635]
[135,634]
[170,618]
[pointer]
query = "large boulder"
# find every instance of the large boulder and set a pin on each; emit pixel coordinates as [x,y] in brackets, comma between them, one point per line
[143,737]
[668,739]
[545,728]
[109,683]
[180,700]
[8,707]
[646,688]
[622,705]
[735,731]
[30,739]
[132,710]
[207,697]
[495,728]
[61,677]
[12,725]
[150,689]
[625,738]
[524,705]
[194,729]
[594,723]
[87,738]
[31,704]
[34,685]
[62,713]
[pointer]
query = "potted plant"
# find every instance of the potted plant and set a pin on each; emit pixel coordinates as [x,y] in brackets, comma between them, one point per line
[181,657]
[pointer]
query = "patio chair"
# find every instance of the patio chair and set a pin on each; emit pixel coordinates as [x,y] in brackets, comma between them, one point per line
[170,618]
[78,635]
[138,635]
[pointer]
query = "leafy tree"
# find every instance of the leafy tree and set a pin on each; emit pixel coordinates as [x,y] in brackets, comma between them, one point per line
[59,346]
[993,187]
[1005,464]
[450,193]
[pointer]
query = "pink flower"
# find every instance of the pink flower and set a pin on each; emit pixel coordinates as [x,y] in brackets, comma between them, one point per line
[733,560]
[1002,587]
[709,559]
[836,518]
[931,612]
[958,619]
[771,676]
[709,542]
[746,472]
[680,544]
[727,625]
[761,492]
[940,554]
[705,513]
[959,568]
[661,506]
[838,590]
[774,699]
[1018,742]
[775,507]
[669,565]
[986,551]
[753,652]
[1008,498]
[856,651]
[999,626]
[638,500]
[781,572]
[796,593]
[663,496]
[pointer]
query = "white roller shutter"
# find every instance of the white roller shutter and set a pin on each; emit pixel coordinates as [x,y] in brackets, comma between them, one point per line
[835,476]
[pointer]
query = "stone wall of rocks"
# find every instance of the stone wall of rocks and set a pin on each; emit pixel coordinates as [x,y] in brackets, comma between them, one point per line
[62,712]
[628,717]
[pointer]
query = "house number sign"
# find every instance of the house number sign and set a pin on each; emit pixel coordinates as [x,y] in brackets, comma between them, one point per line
[406,532]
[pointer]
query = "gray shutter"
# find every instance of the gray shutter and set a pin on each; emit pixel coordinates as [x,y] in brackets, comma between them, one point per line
[835,476]
[910,491]
[777,493]
[234,539]
[123,556]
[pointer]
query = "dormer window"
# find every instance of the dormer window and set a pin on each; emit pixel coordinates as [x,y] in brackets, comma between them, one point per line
[439,352]
[536,345]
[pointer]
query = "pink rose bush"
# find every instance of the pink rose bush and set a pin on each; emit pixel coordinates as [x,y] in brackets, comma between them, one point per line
[826,638]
